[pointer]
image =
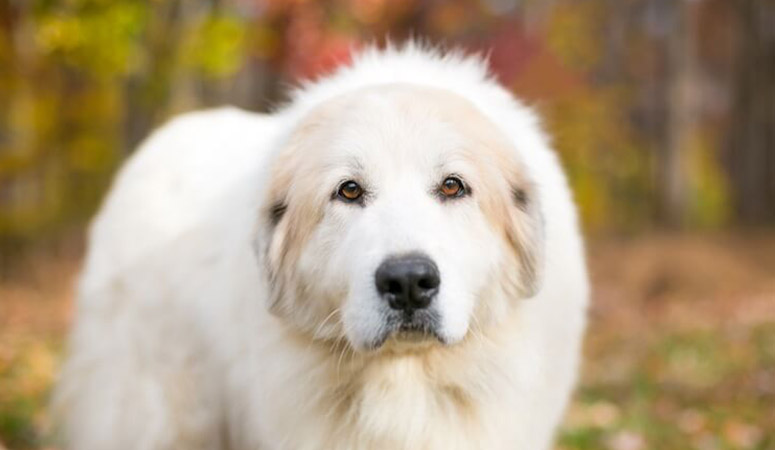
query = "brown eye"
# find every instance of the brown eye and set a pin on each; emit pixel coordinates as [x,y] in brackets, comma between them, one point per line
[452,187]
[350,191]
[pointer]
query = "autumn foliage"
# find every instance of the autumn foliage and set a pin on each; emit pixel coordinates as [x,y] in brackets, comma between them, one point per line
[662,111]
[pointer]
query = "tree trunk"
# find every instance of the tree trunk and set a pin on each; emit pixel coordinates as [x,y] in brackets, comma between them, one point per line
[751,143]
[681,110]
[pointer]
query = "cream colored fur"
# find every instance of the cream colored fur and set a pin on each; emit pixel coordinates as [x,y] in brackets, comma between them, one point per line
[227,299]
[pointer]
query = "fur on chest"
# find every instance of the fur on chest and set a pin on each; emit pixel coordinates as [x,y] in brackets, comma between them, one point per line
[402,401]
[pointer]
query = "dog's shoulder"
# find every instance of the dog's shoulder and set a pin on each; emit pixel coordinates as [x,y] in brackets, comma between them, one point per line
[168,189]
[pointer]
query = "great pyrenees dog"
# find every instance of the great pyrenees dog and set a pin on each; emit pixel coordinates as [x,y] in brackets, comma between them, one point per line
[391,261]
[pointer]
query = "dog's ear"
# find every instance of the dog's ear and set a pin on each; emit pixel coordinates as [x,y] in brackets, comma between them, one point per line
[293,204]
[269,243]
[525,234]
[291,208]
[276,232]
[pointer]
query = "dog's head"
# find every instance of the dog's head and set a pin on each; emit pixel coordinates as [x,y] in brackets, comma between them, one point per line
[398,213]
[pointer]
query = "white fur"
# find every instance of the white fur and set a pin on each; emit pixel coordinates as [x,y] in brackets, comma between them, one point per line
[174,345]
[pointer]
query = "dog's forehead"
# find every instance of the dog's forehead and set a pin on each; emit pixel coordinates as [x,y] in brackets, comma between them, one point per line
[401,125]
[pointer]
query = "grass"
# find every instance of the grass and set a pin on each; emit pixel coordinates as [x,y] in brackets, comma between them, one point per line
[680,352]
[681,346]
[701,390]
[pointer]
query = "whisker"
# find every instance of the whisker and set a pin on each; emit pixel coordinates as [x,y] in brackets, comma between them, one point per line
[323,323]
[320,326]
[341,355]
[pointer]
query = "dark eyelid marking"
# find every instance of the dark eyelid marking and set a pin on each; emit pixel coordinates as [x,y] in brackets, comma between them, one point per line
[276,212]
[520,197]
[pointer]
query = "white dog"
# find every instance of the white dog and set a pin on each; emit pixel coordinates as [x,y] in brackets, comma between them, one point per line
[391,262]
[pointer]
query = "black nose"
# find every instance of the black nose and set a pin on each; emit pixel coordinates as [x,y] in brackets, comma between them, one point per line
[408,282]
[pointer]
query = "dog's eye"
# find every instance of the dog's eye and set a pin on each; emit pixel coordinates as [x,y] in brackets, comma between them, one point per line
[452,187]
[350,191]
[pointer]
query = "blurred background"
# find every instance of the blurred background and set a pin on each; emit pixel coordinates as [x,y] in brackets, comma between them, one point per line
[663,112]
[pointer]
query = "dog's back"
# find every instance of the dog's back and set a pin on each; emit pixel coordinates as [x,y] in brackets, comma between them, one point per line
[136,357]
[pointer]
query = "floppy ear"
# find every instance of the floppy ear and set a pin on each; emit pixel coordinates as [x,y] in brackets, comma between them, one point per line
[525,233]
[269,244]
[278,239]
[291,209]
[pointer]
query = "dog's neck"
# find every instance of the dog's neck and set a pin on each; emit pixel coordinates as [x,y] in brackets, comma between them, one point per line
[399,391]
[391,398]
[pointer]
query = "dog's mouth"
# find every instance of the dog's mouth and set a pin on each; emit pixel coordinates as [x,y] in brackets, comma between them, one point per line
[406,330]
[413,330]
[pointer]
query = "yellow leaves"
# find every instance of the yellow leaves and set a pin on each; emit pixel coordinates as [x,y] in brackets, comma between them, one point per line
[59,34]
[573,34]
[89,154]
[605,163]
[708,185]
[215,46]
[28,372]
[101,40]
[28,366]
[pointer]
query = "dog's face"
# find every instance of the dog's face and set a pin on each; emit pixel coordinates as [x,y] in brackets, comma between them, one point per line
[398,214]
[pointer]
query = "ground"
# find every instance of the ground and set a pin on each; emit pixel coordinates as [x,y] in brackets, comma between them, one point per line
[680,352]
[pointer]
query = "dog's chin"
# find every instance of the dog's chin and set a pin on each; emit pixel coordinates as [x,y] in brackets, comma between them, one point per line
[405,341]
[413,340]
[409,334]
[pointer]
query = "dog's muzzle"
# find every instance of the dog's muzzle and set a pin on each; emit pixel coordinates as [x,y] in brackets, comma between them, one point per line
[409,284]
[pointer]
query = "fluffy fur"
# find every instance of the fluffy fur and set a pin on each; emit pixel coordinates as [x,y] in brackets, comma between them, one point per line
[228,299]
